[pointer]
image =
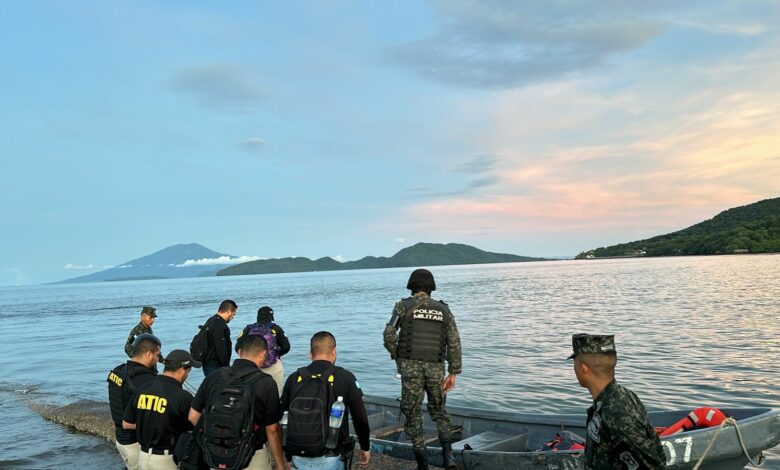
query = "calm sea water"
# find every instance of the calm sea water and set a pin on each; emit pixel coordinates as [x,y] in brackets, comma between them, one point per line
[690,332]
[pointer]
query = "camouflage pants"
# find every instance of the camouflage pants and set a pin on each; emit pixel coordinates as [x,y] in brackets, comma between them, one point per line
[418,377]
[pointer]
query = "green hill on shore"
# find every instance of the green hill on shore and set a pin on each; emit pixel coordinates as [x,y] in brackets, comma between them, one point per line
[754,228]
[421,254]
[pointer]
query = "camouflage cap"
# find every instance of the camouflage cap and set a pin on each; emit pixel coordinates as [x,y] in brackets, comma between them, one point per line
[151,311]
[583,343]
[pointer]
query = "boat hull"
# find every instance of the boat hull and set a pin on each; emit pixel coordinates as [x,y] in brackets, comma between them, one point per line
[496,440]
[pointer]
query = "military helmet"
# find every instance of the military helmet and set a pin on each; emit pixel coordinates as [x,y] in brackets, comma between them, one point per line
[421,279]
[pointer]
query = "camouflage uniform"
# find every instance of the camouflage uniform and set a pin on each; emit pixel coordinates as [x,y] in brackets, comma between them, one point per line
[419,377]
[138,329]
[619,433]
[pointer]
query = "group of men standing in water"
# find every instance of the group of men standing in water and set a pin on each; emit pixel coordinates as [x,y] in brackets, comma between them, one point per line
[151,412]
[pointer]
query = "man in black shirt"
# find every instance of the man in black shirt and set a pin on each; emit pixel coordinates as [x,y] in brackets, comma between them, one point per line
[267,411]
[323,354]
[159,410]
[219,337]
[123,380]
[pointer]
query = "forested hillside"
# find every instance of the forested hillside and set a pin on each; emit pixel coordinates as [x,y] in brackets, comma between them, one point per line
[754,228]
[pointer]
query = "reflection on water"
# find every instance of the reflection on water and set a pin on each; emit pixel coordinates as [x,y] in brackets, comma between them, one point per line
[690,331]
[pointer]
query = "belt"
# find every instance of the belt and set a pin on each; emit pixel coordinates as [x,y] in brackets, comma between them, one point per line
[157,451]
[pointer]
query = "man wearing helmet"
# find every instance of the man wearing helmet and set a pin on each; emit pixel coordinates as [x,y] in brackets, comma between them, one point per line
[428,336]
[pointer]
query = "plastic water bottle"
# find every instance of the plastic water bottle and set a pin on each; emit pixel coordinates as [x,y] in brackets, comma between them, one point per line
[336,417]
[283,422]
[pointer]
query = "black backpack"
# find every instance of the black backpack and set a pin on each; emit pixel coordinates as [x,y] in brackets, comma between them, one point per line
[199,346]
[309,413]
[227,430]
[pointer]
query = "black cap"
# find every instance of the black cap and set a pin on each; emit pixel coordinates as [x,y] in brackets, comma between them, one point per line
[265,313]
[421,279]
[582,343]
[179,358]
[144,336]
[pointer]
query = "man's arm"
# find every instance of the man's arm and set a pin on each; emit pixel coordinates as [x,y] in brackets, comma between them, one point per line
[194,416]
[454,358]
[199,400]
[274,434]
[357,412]
[390,334]
[222,345]
[129,343]
[360,421]
[184,410]
[282,340]
[272,415]
[128,420]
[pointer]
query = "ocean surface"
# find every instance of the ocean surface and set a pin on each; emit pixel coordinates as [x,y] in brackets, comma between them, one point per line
[690,332]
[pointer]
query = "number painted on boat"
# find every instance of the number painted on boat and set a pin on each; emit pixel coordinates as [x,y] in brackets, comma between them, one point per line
[687,447]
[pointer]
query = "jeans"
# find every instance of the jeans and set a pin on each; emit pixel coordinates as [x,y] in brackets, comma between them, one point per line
[317,463]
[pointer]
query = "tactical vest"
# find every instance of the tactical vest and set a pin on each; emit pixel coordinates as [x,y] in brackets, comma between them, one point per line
[423,333]
[119,395]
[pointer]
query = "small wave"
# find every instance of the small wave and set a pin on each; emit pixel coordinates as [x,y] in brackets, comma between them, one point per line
[21,389]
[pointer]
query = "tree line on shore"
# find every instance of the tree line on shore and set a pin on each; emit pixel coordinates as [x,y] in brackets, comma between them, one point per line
[754,228]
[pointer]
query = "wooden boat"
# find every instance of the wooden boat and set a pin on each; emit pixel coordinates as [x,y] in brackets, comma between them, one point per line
[505,440]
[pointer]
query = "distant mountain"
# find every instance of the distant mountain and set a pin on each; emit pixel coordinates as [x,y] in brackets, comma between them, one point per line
[163,264]
[754,228]
[421,254]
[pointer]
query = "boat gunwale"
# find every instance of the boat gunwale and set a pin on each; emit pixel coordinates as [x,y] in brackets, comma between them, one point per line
[762,415]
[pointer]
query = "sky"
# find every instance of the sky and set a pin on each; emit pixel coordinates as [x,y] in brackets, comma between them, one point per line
[349,128]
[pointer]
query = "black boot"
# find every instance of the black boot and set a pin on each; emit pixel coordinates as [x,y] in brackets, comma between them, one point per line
[421,455]
[448,461]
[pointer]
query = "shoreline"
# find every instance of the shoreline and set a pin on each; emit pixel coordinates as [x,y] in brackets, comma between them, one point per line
[94,418]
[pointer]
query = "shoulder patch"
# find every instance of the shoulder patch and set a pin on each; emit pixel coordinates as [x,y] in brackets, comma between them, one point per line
[629,460]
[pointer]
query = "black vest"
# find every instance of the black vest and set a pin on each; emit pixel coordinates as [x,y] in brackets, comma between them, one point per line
[423,330]
[121,387]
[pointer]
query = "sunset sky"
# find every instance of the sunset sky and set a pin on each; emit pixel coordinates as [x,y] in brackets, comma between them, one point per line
[346,128]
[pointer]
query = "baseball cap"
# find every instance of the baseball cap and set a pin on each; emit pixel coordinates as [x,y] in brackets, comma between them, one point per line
[179,358]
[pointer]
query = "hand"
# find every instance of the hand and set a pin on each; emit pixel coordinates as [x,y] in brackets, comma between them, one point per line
[364,458]
[449,383]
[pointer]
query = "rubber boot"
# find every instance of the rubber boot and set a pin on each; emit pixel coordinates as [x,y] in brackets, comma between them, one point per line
[421,455]
[448,461]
